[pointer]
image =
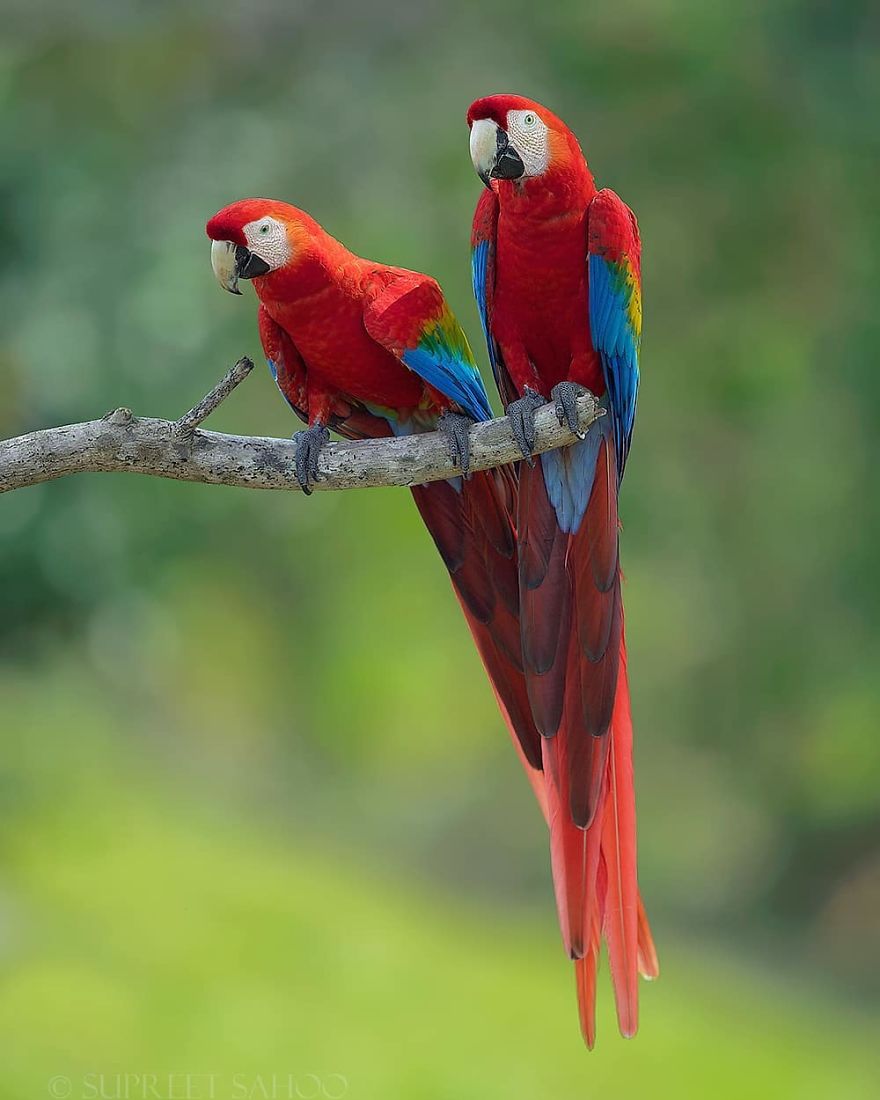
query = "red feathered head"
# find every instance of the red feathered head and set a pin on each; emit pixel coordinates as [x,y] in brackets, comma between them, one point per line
[254,237]
[515,138]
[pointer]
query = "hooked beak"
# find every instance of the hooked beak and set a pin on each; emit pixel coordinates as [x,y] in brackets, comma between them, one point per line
[493,156]
[232,262]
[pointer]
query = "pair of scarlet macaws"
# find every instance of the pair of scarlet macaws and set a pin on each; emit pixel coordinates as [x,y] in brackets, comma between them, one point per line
[371,350]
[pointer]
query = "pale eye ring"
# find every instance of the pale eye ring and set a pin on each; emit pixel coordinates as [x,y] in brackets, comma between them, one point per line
[264,228]
[529,120]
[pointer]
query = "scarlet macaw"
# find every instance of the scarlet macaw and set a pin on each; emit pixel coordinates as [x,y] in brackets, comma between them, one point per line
[556,272]
[372,350]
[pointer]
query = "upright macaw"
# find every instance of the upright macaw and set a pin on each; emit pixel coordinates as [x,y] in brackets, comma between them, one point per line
[372,350]
[556,272]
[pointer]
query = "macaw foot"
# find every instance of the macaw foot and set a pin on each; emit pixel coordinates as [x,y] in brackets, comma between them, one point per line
[455,430]
[521,414]
[308,448]
[566,394]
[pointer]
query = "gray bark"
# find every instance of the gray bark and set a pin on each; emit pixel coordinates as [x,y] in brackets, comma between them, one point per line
[121,442]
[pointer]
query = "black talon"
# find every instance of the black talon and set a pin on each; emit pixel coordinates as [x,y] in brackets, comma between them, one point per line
[308,450]
[566,395]
[521,414]
[455,429]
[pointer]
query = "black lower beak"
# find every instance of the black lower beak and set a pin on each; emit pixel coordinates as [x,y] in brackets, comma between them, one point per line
[508,163]
[247,264]
[509,166]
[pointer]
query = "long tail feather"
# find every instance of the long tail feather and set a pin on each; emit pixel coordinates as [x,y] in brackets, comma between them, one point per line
[621,916]
[585,976]
[594,901]
[472,527]
[545,598]
[649,965]
[567,848]
[545,611]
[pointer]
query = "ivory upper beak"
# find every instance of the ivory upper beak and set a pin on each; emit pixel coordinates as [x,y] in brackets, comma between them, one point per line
[484,147]
[223,263]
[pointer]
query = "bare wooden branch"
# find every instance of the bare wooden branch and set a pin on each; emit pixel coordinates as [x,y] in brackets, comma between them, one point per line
[121,442]
[191,420]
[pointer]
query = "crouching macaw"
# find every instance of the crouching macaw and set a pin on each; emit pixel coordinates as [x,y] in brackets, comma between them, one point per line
[371,350]
[556,271]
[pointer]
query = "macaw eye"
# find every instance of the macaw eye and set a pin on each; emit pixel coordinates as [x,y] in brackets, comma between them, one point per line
[264,229]
[529,120]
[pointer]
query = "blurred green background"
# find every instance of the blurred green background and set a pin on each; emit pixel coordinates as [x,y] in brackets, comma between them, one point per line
[259,814]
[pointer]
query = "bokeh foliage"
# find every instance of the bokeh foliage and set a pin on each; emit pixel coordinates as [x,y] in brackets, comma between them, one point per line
[218,704]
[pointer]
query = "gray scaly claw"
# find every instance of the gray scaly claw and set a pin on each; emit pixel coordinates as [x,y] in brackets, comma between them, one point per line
[566,395]
[308,449]
[521,414]
[455,430]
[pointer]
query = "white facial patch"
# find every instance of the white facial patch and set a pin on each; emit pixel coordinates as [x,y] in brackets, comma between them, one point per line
[484,142]
[529,136]
[267,238]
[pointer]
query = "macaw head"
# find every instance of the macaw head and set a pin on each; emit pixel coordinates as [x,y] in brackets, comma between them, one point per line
[254,237]
[513,138]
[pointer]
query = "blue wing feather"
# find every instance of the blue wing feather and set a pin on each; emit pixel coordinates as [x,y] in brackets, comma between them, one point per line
[615,307]
[452,375]
[617,342]
[479,264]
[411,318]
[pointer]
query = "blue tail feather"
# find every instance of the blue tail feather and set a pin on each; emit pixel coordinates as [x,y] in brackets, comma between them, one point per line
[569,474]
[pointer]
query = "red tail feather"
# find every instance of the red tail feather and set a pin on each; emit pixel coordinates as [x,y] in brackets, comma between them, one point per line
[585,975]
[595,875]
[574,773]
[567,848]
[621,909]
[649,965]
[473,530]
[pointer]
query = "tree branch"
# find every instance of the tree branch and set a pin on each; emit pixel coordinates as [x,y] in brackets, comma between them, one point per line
[191,420]
[120,442]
